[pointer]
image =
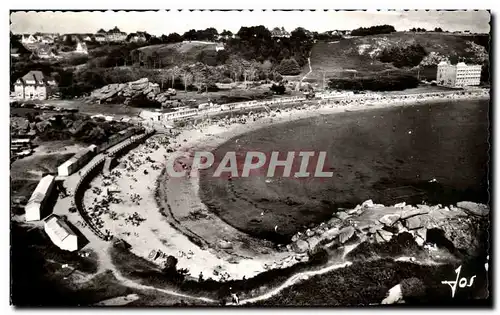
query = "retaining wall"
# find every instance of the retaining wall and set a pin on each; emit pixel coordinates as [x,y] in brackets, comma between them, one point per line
[91,172]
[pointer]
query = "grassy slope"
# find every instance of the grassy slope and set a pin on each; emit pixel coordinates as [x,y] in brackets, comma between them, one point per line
[360,52]
[178,53]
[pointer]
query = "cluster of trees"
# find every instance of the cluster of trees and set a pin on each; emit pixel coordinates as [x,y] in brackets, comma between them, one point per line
[409,56]
[209,34]
[256,43]
[418,29]
[382,83]
[373,30]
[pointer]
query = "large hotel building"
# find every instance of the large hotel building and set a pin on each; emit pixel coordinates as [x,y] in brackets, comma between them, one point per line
[459,75]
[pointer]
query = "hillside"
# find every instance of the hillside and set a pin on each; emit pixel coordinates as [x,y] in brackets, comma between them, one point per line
[361,53]
[178,53]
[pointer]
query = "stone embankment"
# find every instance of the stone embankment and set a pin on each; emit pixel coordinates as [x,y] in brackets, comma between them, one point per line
[137,92]
[460,226]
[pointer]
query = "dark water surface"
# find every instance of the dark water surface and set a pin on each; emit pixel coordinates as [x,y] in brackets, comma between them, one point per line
[435,153]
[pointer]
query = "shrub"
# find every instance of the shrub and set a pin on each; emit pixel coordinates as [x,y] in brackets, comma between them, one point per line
[278,89]
[289,67]
[409,56]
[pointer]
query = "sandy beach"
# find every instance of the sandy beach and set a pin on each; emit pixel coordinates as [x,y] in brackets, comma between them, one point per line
[226,253]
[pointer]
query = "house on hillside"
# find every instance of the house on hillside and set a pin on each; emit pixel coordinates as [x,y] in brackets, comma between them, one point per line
[279,33]
[81,48]
[34,86]
[138,37]
[28,39]
[44,52]
[219,47]
[100,38]
[115,35]
[87,38]
[45,39]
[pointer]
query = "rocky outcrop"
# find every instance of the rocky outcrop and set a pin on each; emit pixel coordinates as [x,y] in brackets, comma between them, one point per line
[140,92]
[463,226]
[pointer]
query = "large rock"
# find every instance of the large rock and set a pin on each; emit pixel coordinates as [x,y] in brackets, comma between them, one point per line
[309,233]
[139,84]
[385,235]
[367,204]
[474,208]
[413,212]
[346,234]
[300,246]
[43,125]
[225,244]
[342,215]
[313,241]
[414,223]
[389,219]
[334,222]
[331,233]
[375,227]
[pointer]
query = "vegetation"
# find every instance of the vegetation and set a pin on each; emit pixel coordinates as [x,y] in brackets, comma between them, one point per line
[382,83]
[191,62]
[289,67]
[77,127]
[409,56]
[373,30]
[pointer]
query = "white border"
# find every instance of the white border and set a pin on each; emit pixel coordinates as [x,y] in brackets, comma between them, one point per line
[189,4]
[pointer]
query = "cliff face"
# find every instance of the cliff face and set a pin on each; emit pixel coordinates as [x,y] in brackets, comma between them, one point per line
[462,229]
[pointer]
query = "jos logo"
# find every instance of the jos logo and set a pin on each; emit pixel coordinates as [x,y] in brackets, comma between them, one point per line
[462,283]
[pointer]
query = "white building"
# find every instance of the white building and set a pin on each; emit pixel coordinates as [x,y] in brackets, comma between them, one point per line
[34,85]
[219,47]
[81,48]
[60,233]
[38,199]
[459,75]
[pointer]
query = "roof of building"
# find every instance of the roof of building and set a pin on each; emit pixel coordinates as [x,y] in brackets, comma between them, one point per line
[44,184]
[279,32]
[59,227]
[37,197]
[41,189]
[35,75]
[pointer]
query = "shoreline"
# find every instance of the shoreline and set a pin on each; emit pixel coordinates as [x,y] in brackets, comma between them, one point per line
[183,194]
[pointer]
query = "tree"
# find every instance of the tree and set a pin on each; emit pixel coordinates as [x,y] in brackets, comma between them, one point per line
[266,68]
[226,34]
[170,264]
[289,67]
[187,77]
[438,29]
[235,67]
[174,38]
[278,89]
[373,30]
[190,35]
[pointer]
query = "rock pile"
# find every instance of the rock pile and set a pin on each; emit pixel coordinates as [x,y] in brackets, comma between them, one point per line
[140,92]
[460,225]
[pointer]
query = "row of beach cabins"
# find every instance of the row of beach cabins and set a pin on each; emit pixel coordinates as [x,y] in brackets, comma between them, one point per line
[38,206]
[186,113]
